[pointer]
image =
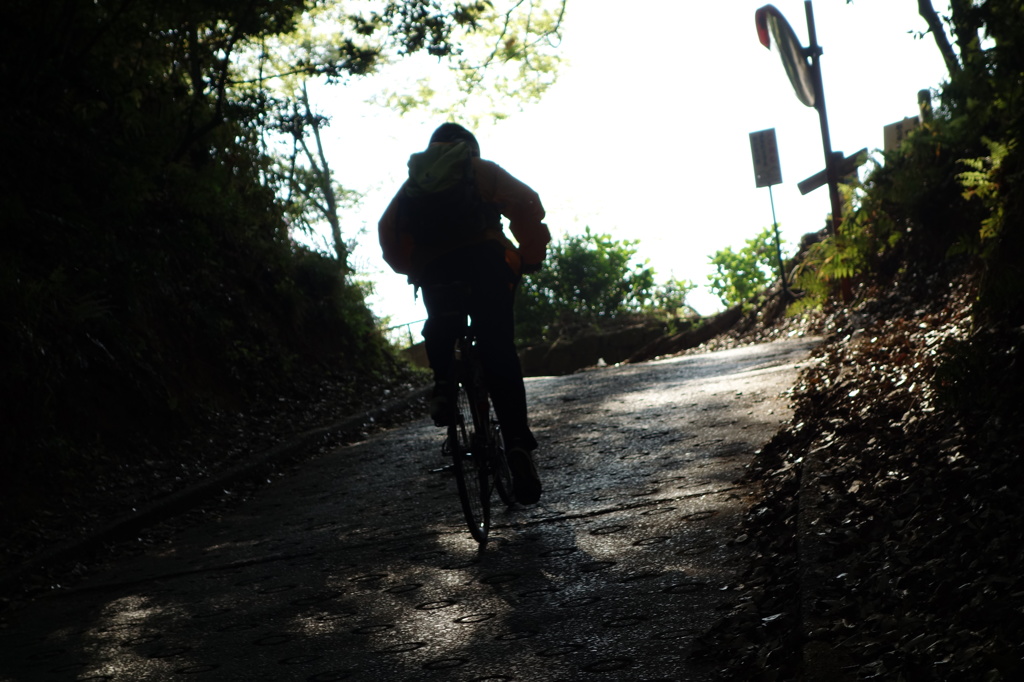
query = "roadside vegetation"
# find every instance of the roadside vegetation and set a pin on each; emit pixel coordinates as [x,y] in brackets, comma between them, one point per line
[743,275]
[592,282]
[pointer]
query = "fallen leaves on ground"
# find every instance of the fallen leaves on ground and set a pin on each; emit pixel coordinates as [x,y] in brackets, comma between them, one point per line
[890,535]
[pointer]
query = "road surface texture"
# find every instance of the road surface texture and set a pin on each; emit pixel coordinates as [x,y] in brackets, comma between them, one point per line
[358,565]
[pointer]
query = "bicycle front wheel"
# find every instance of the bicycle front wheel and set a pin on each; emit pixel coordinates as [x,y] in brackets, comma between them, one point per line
[471,470]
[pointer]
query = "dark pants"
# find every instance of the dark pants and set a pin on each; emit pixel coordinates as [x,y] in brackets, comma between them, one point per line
[486,289]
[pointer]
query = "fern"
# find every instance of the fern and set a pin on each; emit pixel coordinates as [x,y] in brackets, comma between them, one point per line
[857,249]
[983,182]
[813,289]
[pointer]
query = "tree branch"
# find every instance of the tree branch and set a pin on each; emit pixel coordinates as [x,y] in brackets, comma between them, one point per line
[927,11]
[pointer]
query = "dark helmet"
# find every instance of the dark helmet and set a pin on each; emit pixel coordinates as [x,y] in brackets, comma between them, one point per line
[453,132]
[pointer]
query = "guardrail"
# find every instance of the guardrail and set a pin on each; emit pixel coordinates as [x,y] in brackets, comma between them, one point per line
[408,331]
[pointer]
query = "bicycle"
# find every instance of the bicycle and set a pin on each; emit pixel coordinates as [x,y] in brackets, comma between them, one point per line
[474,440]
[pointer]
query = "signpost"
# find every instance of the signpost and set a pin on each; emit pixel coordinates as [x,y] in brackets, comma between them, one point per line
[844,168]
[764,150]
[803,66]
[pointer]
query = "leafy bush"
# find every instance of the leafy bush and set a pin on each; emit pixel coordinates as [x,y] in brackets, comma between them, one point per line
[741,275]
[587,280]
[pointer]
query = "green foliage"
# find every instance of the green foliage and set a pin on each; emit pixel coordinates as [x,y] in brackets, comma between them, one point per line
[986,104]
[983,182]
[996,238]
[950,190]
[587,280]
[668,300]
[862,244]
[508,56]
[741,275]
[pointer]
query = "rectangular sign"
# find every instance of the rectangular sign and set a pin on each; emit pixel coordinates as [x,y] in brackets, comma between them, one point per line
[895,133]
[765,151]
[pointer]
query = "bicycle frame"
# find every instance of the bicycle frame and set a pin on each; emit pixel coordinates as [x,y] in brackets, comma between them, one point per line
[475,442]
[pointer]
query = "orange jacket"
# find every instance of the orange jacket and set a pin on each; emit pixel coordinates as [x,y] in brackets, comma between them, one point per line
[514,199]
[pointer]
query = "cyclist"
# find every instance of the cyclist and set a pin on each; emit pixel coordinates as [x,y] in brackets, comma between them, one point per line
[438,235]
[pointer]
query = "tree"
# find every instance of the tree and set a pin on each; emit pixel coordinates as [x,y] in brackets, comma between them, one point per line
[497,57]
[966,26]
[508,58]
[147,275]
[938,31]
[311,194]
[589,280]
[973,145]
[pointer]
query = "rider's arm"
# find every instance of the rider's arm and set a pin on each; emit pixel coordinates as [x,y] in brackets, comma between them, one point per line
[521,205]
[396,246]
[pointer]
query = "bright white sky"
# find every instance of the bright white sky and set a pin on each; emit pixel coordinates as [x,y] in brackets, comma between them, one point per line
[646,134]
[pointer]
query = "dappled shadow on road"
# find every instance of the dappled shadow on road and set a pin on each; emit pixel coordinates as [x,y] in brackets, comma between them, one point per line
[359,567]
[585,598]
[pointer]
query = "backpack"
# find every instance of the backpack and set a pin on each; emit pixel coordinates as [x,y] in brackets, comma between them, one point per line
[447,216]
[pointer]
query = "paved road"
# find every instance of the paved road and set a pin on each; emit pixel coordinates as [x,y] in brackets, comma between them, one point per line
[358,567]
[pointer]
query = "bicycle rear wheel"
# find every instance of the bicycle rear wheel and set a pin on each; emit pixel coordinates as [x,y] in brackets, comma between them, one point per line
[499,465]
[470,469]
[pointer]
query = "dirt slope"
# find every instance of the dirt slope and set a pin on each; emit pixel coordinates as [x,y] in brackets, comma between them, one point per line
[890,534]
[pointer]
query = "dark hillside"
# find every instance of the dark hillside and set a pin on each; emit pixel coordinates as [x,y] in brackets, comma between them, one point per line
[148,282]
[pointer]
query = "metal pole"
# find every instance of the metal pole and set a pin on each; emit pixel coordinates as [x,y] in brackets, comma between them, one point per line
[819,103]
[778,245]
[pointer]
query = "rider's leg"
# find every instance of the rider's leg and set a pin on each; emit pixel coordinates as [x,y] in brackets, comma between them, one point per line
[494,323]
[508,394]
[446,318]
